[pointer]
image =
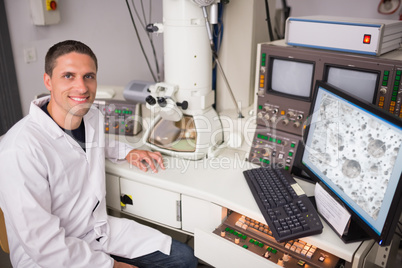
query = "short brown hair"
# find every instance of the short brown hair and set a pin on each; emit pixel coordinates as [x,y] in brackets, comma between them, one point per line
[63,48]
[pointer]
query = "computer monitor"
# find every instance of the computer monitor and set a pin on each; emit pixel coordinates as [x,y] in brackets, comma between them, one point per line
[354,149]
[291,78]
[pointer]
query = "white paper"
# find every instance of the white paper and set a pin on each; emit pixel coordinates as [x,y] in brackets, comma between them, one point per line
[331,210]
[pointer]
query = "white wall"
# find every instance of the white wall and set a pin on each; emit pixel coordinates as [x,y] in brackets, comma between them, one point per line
[104,25]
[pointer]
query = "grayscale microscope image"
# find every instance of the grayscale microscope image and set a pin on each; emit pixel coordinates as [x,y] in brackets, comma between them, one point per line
[354,153]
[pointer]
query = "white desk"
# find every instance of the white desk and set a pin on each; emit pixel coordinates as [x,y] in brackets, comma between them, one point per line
[201,192]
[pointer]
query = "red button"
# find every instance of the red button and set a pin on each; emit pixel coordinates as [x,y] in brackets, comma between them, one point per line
[53,5]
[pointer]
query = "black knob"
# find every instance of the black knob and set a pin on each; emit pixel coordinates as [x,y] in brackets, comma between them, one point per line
[151,28]
[183,105]
[162,102]
[150,100]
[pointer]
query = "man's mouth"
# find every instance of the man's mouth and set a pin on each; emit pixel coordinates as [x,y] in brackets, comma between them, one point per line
[79,99]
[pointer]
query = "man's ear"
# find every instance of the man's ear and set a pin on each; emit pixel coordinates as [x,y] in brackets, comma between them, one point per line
[47,81]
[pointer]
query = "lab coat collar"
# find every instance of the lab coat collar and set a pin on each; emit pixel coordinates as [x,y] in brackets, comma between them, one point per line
[56,132]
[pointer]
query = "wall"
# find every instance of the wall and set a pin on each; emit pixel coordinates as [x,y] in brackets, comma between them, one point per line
[104,25]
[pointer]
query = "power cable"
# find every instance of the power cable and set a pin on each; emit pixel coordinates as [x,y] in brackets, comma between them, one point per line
[140,42]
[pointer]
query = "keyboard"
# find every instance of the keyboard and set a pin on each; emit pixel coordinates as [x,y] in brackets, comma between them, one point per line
[287,210]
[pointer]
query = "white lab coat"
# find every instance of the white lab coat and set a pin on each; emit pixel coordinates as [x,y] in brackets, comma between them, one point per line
[52,194]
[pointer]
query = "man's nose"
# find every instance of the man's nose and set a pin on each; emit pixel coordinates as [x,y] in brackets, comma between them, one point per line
[81,85]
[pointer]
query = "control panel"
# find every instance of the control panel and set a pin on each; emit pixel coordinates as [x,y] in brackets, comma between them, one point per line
[121,117]
[257,238]
[273,147]
[285,84]
[395,105]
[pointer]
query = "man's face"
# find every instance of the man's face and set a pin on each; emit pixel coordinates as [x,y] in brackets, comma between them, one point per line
[72,86]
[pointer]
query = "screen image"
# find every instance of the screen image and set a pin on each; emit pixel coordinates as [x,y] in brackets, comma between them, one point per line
[355,153]
[359,83]
[292,77]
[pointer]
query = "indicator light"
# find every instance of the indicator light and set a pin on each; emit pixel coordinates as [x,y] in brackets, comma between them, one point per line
[367,39]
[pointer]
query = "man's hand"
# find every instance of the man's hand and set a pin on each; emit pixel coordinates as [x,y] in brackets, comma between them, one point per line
[138,157]
[122,265]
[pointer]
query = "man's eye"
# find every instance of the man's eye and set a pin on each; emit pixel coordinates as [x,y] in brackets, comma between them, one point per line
[67,76]
[89,76]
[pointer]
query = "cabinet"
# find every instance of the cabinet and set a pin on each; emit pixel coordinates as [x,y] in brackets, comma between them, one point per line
[152,203]
[162,206]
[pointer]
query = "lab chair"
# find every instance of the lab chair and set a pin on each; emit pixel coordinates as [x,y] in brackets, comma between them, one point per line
[3,234]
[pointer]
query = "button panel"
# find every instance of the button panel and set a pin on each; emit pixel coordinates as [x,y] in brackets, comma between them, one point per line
[256,237]
[121,117]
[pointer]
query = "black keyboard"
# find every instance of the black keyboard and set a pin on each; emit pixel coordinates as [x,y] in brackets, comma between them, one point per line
[289,215]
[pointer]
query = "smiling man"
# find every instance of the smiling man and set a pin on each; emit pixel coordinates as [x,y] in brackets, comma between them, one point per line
[52,180]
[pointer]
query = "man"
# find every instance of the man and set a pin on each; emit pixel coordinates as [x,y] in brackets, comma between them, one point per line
[52,182]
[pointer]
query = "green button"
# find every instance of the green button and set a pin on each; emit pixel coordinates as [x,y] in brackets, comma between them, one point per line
[260,107]
[386,72]
[260,245]
[271,139]
[279,141]
[385,78]
[256,242]
[292,145]
[244,237]
[396,83]
[251,241]
[384,83]
[393,98]
[398,72]
[274,251]
[236,233]
[269,249]
[231,231]
[398,78]
[396,88]
[227,229]
[245,246]
[290,153]
[287,168]
[394,93]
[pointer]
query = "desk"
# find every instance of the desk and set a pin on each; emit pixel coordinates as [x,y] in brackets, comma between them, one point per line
[194,196]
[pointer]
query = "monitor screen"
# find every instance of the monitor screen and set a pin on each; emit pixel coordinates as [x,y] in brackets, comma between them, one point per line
[354,148]
[362,84]
[292,78]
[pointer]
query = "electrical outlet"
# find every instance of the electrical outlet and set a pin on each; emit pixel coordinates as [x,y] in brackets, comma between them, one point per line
[29,54]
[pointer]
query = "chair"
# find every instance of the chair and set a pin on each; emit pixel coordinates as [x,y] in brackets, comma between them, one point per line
[3,234]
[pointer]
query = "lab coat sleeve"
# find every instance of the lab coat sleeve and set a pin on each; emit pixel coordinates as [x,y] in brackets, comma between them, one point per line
[116,150]
[26,202]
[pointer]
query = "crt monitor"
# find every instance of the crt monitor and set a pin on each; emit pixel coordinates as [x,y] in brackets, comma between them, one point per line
[354,149]
[359,82]
[291,78]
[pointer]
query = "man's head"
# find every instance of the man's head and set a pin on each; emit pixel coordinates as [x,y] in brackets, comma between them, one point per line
[63,48]
[70,76]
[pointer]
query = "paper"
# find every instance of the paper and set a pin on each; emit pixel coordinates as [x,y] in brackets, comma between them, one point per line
[331,210]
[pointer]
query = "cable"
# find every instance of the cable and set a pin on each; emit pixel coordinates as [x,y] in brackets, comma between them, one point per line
[143,24]
[215,55]
[268,19]
[139,40]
